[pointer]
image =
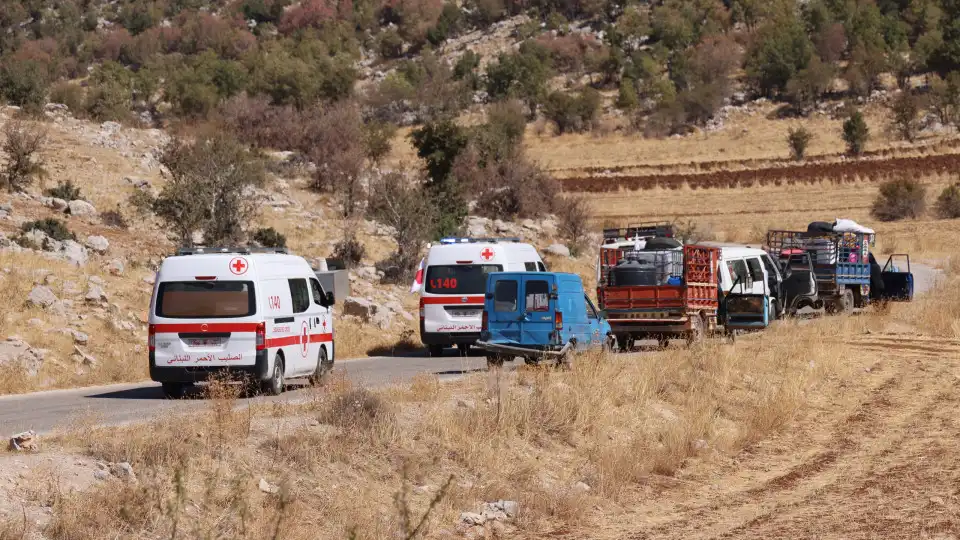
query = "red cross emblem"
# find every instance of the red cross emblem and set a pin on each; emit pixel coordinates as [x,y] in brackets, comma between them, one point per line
[304,340]
[238,266]
[324,325]
[486,254]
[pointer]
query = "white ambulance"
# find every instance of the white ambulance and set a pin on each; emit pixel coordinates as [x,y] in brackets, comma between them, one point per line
[259,314]
[452,281]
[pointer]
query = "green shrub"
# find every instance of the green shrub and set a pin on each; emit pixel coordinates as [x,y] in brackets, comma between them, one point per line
[906,111]
[798,139]
[781,49]
[898,199]
[519,75]
[270,238]
[573,114]
[24,83]
[68,94]
[349,250]
[114,218]
[627,98]
[855,133]
[52,227]
[391,44]
[65,190]
[948,203]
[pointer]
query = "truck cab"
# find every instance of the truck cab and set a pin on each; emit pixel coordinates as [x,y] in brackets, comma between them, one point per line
[538,316]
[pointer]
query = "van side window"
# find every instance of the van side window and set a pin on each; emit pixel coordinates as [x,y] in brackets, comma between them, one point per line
[530,267]
[505,296]
[738,269]
[537,297]
[300,295]
[756,271]
[541,267]
[591,311]
[318,296]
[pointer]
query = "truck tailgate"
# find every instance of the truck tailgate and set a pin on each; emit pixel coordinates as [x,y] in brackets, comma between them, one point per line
[664,296]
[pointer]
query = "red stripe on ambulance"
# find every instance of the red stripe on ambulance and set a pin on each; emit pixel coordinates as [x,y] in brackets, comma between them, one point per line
[295,340]
[452,300]
[205,328]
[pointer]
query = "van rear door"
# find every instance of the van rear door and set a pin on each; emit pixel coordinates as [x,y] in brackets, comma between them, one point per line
[539,305]
[205,323]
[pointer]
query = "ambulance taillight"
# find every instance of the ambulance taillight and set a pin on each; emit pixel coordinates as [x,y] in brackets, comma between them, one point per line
[421,309]
[484,322]
[152,338]
[261,336]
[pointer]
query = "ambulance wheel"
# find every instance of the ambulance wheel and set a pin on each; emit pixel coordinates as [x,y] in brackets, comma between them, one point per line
[323,367]
[274,385]
[173,390]
[464,349]
[436,351]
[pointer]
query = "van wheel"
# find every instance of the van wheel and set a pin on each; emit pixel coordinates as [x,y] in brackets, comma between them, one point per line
[696,331]
[173,390]
[274,385]
[611,344]
[436,351]
[323,368]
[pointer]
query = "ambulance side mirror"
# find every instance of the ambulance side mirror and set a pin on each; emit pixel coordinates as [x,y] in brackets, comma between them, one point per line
[329,299]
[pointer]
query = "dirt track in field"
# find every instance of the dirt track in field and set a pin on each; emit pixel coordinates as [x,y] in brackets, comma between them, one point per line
[877,460]
[845,171]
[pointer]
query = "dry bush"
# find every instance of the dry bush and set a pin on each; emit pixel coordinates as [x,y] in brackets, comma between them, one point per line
[573,214]
[356,410]
[22,147]
[798,139]
[905,110]
[948,202]
[349,249]
[902,198]
[255,121]
[403,204]
[515,188]
[334,140]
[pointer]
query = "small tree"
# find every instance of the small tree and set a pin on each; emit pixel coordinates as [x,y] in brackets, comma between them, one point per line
[627,98]
[948,203]
[405,206]
[207,189]
[334,140]
[23,146]
[349,249]
[855,133]
[906,110]
[899,199]
[439,144]
[574,215]
[269,237]
[798,139]
[67,191]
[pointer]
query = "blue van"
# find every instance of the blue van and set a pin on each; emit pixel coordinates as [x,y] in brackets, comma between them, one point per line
[539,316]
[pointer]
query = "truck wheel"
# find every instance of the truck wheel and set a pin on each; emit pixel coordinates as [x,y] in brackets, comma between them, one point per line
[695,334]
[274,385]
[663,342]
[846,302]
[173,390]
[323,367]
[495,361]
[436,351]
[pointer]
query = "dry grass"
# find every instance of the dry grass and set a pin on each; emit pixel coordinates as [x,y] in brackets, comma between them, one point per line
[615,423]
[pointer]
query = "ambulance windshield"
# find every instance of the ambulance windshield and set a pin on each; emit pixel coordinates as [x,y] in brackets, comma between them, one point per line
[206,299]
[458,278]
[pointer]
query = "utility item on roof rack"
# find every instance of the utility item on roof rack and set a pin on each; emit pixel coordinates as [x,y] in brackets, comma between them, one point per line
[651,229]
[454,240]
[205,250]
[659,243]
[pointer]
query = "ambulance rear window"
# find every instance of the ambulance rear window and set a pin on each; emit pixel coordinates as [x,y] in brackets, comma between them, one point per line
[206,299]
[458,278]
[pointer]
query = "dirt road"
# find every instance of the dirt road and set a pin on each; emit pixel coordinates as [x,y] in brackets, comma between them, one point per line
[883,465]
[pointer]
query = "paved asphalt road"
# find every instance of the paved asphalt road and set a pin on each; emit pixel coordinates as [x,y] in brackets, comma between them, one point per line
[124,403]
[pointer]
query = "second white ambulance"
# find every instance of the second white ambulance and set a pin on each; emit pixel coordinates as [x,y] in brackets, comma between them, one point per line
[452,282]
[259,315]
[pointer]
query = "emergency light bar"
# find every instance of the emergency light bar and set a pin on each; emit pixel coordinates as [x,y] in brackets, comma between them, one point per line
[202,250]
[454,240]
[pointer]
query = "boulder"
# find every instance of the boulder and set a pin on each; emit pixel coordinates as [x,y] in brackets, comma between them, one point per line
[84,358]
[74,253]
[360,307]
[98,244]
[116,267]
[17,353]
[81,209]
[267,487]
[42,297]
[24,442]
[55,203]
[123,471]
[95,294]
[549,227]
[559,250]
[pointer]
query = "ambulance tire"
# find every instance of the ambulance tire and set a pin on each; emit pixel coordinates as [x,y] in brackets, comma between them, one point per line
[436,351]
[173,390]
[323,368]
[464,349]
[274,385]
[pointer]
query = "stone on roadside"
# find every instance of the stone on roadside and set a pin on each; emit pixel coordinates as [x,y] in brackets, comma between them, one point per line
[267,487]
[42,297]
[84,358]
[16,353]
[74,253]
[81,209]
[24,442]
[361,308]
